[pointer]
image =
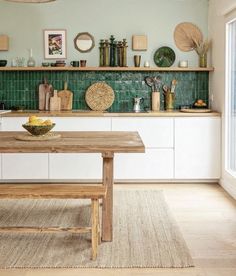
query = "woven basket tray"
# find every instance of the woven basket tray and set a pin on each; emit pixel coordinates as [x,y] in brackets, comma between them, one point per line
[46,137]
[99,96]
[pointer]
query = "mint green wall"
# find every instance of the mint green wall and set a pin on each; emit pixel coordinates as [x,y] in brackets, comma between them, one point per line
[24,23]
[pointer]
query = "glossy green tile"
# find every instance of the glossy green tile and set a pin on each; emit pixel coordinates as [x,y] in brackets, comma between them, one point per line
[21,88]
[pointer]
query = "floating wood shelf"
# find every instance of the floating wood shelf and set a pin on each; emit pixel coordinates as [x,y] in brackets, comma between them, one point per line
[110,69]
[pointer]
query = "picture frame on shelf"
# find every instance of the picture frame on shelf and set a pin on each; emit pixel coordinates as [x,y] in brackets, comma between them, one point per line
[54,44]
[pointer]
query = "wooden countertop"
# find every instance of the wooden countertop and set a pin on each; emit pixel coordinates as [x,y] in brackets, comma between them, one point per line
[88,113]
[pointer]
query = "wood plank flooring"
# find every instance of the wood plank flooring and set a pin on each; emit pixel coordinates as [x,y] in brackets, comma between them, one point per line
[206,215]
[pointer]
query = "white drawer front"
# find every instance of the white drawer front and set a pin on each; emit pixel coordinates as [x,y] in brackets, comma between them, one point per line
[14,123]
[75,166]
[82,124]
[153,164]
[24,166]
[155,132]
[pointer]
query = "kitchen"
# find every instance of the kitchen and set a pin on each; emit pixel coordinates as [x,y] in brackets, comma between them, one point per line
[181,148]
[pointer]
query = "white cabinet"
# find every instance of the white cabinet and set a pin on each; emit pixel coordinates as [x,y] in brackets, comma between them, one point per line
[78,166]
[13,123]
[158,160]
[153,164]
[197,148]
[81,124]
[24,166]
[75,166]
[155,132]
[20,165]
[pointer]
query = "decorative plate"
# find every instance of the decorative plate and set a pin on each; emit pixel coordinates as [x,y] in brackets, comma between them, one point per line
[164,57]
[99,96]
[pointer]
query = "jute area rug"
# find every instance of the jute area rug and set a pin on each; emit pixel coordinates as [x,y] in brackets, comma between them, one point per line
[145,234]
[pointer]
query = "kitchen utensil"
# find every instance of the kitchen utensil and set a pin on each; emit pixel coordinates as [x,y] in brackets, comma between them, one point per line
[185,35]
[166,88]
[137,104]
[66,98]
[38,130]
[55,102]
[154,83]
[173,85]
[44,88]
[164,57]
[99,96]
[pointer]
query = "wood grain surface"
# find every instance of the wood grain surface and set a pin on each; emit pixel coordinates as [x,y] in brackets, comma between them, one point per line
[75,142]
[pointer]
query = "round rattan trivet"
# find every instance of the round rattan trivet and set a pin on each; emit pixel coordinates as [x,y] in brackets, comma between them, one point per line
[99,96]
[46,137]
[185,34]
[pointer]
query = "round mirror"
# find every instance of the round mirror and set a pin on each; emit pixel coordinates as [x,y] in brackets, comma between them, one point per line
[84,42]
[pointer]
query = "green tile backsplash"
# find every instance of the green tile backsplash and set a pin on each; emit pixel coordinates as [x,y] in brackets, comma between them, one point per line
[20,88]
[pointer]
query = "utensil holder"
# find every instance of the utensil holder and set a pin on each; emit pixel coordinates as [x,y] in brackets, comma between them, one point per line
[155,101]
[169,101]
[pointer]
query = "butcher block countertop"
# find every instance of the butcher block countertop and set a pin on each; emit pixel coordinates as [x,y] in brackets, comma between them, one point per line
[87,113]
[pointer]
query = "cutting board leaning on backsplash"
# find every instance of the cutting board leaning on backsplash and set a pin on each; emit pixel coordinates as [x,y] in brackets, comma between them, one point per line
[45,92]
[55,102]
[66,98]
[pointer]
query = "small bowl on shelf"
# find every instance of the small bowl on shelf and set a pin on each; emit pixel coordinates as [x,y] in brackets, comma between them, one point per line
[3,63]
[38,130]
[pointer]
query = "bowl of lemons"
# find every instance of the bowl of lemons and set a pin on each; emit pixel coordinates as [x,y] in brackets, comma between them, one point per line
[37,127]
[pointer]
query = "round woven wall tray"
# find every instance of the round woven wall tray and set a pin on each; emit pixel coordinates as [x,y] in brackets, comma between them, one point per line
[185,34]
[99,96]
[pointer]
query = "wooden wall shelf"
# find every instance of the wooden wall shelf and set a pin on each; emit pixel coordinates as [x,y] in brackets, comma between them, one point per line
[110,69]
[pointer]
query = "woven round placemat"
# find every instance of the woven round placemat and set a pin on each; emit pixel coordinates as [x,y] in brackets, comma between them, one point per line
[99,96]
[46,137]
[185,34]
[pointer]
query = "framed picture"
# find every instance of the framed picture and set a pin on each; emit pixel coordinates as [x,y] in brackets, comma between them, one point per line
[54,44]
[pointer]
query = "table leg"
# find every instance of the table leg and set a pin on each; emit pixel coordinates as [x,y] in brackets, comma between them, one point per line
[107,206]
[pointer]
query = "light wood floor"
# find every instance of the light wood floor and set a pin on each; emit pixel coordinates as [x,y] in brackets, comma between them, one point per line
[206,215]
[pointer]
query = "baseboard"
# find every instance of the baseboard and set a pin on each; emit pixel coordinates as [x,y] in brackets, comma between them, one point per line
[229,187]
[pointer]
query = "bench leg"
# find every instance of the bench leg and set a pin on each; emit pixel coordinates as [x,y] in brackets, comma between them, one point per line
[95,223]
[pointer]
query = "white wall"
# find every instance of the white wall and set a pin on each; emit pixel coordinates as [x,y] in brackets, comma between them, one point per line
[122,18]
[218,12]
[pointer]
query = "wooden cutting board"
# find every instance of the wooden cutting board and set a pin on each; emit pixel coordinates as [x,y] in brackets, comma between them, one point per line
[55,102]
[66,98]
[44,89]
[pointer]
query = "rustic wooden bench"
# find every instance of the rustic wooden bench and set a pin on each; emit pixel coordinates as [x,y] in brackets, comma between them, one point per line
[58,191]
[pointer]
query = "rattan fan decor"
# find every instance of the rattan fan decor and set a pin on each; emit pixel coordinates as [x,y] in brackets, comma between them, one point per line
[185,34]
[99,96]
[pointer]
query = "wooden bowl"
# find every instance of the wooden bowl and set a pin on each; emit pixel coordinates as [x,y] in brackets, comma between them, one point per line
[38,130]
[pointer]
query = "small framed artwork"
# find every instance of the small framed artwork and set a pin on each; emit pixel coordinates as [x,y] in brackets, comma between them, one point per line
[54,44]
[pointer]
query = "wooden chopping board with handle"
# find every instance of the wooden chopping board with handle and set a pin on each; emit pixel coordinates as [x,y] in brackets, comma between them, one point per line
[66,98]
[44,89]
[55,102]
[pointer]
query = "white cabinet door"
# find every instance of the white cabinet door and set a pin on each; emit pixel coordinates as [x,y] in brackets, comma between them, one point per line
[75,166]
[20,165]
[152,165]
[0,166]
[24,166]
[78,166]
[155,132]
[197,148]
[13,123]
[81,124]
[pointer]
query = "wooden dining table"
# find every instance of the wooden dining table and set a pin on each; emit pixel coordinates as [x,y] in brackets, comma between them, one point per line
[105,142]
